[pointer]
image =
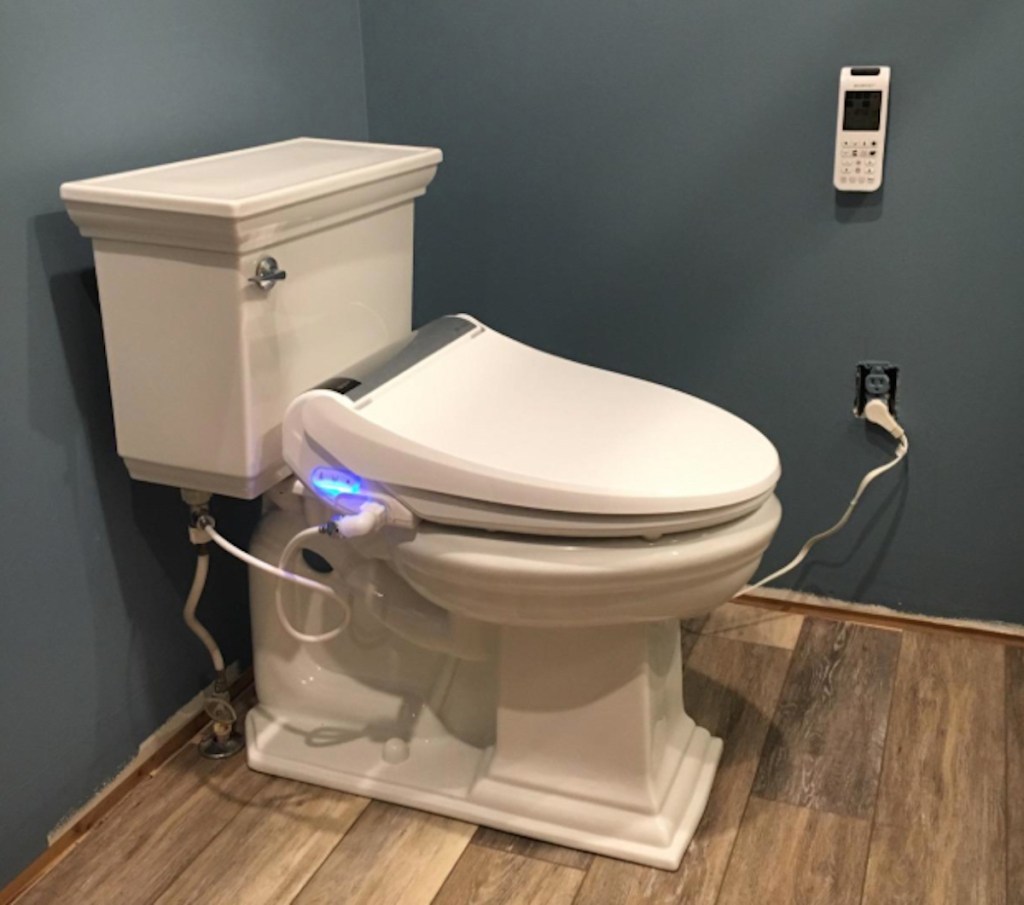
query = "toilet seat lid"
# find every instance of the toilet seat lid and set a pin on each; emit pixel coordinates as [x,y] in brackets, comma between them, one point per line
[465,411]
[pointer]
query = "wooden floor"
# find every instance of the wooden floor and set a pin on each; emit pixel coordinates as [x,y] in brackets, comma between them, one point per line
[861,765]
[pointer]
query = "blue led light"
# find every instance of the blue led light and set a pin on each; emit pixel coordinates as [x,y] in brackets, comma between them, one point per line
[334,482]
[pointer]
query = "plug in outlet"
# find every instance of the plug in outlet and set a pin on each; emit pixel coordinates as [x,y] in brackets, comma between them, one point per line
[876,380]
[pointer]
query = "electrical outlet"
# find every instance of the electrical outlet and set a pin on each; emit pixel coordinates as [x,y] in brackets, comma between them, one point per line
[876,380]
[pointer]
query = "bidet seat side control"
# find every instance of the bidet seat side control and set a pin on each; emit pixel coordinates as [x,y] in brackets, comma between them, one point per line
[860,128]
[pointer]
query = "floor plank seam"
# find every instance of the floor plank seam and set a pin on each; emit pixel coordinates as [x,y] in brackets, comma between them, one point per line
[452,869]
[881,771]
[764,742]
[171,880]
[326,858]
[583,883]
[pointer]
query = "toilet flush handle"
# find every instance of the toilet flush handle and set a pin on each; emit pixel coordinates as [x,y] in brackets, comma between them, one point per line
[267,273]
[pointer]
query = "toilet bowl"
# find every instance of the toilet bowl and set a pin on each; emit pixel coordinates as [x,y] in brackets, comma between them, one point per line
[516,535]
[543,582]
[527,684]
[549,697]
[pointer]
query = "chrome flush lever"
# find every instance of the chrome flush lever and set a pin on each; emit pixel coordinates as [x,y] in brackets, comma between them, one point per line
[267,273]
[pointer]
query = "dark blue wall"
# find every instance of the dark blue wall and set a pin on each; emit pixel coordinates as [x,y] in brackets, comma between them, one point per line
[641,185]
[94,568]
[647,186]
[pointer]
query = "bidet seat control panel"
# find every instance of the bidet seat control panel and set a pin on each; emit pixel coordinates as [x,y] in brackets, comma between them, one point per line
[860,128]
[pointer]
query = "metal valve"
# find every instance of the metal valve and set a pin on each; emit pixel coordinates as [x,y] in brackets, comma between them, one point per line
[267,273]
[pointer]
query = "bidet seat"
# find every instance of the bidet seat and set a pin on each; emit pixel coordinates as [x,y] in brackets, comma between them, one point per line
[468,427]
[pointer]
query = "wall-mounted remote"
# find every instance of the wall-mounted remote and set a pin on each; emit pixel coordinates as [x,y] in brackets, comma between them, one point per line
[860,128]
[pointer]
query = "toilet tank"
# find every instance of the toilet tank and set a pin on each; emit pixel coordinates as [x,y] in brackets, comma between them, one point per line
[203,357]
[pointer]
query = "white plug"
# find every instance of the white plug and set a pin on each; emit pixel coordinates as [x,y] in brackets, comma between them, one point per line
[877,412]
[371,517]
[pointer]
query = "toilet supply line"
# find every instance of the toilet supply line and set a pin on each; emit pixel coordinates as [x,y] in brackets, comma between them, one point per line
[224,740]
[192,601]
[877,412]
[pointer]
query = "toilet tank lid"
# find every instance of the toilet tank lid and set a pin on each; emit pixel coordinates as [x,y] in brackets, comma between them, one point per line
[467,412]
[253,180]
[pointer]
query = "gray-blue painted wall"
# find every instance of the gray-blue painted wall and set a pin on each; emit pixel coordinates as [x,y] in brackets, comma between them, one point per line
[93,652]
[642,185]
[647,186]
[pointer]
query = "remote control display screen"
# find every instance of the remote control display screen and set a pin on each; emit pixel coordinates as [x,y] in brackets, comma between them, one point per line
[862,111]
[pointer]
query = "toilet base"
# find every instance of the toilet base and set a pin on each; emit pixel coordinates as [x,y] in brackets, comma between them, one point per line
[444,777]
[586,744]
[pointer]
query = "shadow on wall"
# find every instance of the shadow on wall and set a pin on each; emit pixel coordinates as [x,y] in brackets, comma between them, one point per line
[859,207]
[143,550]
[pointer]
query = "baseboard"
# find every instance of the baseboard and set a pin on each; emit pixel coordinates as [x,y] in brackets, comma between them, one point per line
[150,746]
[882,616]
[156,750]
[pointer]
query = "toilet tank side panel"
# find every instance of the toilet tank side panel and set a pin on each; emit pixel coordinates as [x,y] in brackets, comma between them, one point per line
[203,363]
[173,354]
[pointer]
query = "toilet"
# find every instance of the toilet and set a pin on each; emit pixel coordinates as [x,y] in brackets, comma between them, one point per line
[515,536]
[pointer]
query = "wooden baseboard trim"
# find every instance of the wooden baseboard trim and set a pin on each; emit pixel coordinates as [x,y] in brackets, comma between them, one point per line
[87,820]
[882,617]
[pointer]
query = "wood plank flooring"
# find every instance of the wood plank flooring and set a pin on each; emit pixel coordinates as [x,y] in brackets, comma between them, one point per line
[832,720]
[794,854]
[862,766]
[940,822]
[1014,775]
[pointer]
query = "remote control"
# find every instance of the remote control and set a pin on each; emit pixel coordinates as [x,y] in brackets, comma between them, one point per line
[860,128]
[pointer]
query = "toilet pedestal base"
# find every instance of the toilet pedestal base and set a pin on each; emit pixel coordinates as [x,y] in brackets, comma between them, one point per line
[583,743]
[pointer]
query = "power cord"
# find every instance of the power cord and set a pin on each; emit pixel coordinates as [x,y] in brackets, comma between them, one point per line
[877,412]
[206,524]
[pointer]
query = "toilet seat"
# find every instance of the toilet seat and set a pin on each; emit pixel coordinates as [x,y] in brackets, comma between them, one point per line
[467,427]
[440,509]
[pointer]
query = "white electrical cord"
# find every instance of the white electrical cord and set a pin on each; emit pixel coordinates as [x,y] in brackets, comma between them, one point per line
[878,413]
[192,601]
[206,523]
[346,608]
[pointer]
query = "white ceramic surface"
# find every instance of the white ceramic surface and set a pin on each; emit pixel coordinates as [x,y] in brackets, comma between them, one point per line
[202,362]
[576,735]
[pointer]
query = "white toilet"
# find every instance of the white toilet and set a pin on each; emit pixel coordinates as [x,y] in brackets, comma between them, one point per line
[520,534]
